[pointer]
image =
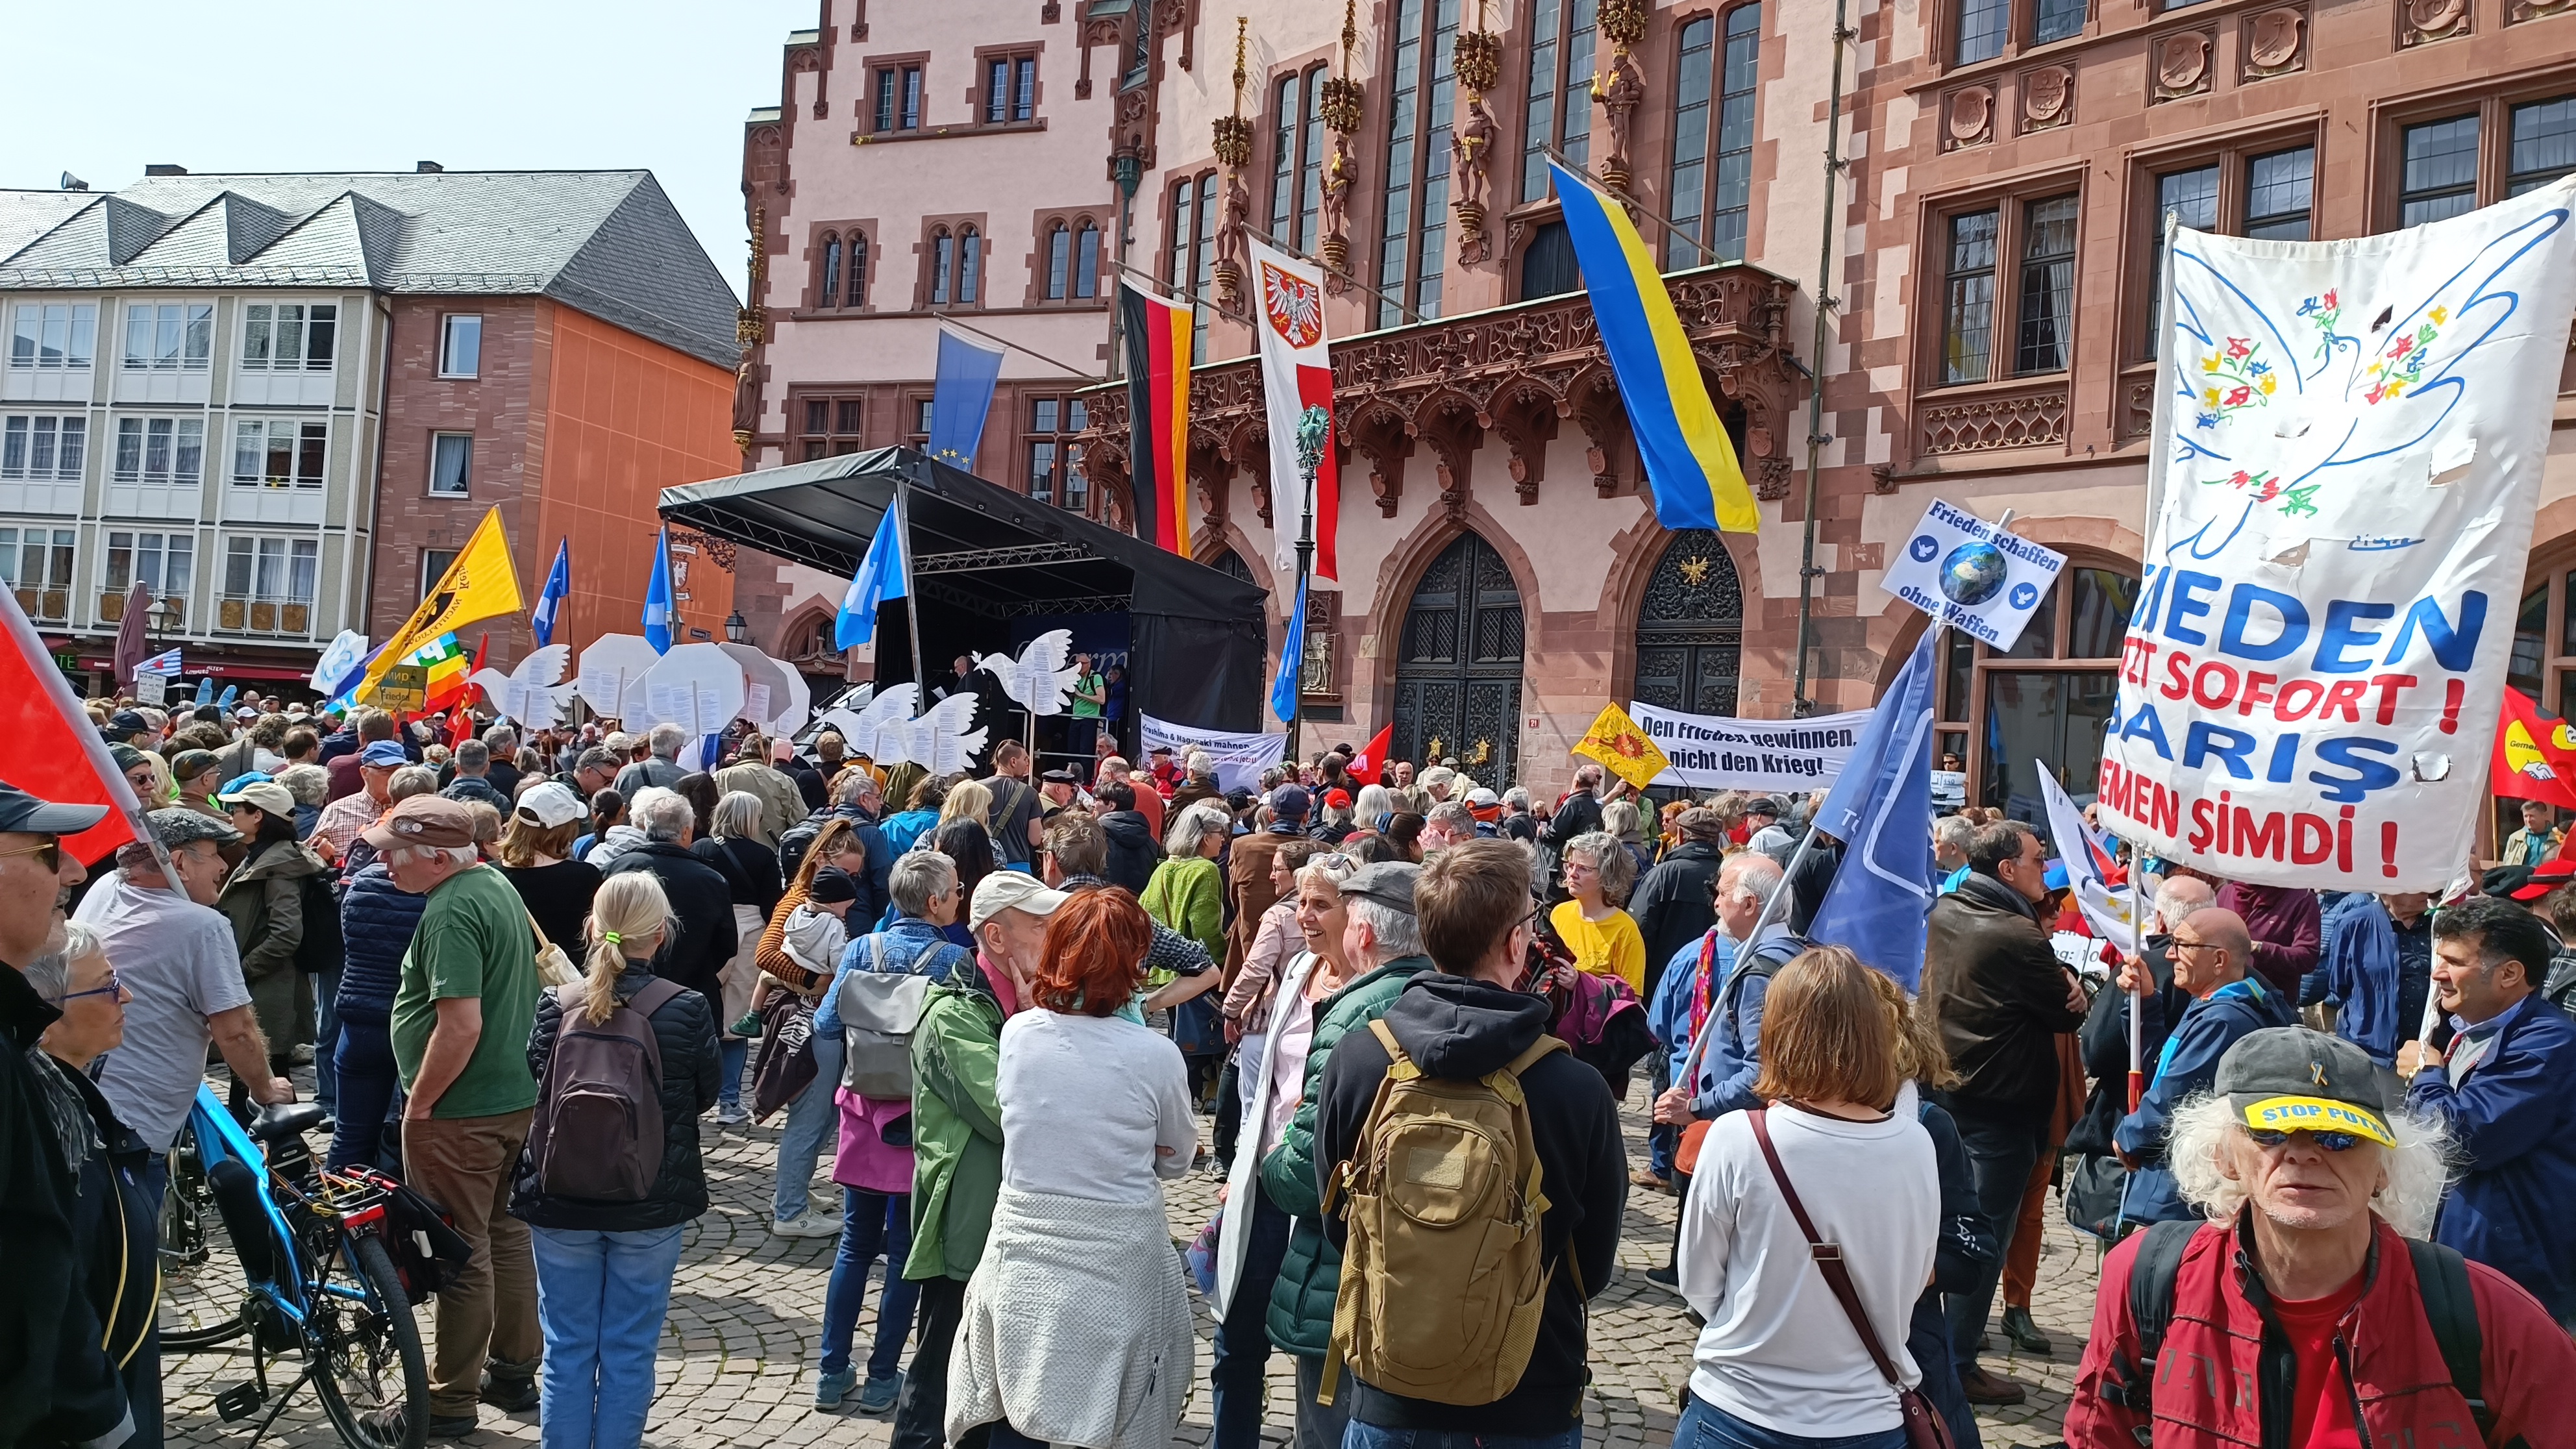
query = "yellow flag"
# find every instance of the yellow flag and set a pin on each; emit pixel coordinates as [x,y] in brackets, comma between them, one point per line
[481,584]
[1616,741]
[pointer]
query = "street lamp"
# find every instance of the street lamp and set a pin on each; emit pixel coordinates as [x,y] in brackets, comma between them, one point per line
[737,628]
[163,616]
[1314,430]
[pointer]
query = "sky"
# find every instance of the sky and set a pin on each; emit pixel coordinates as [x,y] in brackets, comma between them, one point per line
[332,85]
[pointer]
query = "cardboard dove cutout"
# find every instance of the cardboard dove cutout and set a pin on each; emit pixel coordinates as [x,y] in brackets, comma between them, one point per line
[533,693]
[1041,679]
[613,667]
[696,686]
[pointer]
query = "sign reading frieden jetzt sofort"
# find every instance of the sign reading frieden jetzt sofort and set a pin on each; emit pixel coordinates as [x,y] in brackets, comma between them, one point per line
[1719,752]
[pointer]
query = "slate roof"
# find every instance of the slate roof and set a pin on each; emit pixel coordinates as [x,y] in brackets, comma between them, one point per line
[608,243]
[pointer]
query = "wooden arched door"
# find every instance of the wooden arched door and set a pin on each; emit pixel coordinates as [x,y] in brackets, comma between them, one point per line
[1690,627]
[1458,669]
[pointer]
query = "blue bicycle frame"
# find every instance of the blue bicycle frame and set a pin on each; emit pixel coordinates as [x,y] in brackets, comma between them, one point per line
[219,1137]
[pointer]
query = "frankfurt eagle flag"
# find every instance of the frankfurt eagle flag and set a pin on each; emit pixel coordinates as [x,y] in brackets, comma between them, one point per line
[1296,374]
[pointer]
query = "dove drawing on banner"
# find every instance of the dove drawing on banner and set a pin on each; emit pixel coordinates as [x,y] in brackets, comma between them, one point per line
[1041,679]
[533,692]
[939,741]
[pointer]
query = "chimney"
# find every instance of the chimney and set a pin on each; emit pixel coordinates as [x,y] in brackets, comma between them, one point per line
[165,169]
[426,168]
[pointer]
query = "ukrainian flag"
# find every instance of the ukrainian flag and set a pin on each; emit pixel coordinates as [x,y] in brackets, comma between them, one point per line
[1690,461]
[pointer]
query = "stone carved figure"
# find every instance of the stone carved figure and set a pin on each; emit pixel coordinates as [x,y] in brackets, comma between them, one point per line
[746,398]
[1230,253]
[1619,94]
[1471,143]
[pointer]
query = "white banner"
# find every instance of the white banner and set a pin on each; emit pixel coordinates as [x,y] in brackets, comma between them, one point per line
[1296,374]
[1971,575]
[1717,752]
[2349,441]
[1239,758]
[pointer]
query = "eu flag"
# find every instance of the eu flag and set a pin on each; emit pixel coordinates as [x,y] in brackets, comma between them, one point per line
[961,395]
[1880,808]
[1690,461]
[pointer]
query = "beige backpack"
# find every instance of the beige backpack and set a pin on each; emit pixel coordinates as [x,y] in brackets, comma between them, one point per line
[1443,1275]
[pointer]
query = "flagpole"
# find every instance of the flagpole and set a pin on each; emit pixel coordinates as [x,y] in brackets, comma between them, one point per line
[1274,244]
[951,320]
[911,600]
[1314,427]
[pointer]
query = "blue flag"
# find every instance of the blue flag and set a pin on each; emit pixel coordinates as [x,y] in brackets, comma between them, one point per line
[880,577]
[1880,808]
[961,395]
[657,597]
[550,603]
[1292,662]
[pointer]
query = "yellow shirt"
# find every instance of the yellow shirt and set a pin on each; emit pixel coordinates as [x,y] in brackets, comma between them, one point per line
[1610,947]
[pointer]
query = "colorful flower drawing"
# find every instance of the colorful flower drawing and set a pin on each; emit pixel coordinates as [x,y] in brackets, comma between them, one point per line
[2265,486]
[2234,377]
[2324,311]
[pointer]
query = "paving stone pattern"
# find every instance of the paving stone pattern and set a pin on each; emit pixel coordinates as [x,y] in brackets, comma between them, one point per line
[737,1355]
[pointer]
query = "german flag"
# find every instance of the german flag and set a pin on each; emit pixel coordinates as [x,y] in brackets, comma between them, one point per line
[1158,415]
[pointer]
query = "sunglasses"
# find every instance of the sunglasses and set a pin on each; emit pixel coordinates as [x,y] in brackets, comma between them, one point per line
[51,853]
[112,987]
[2330,1141]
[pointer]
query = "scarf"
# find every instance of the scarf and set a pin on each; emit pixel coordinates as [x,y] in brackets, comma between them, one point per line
[65,1112]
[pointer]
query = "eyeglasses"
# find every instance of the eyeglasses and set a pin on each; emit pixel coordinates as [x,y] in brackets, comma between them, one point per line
[51,853]
[2330,1141]
[112,987]
[2179,944]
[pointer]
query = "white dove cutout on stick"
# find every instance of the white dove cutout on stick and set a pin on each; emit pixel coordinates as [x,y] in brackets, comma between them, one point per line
[1041,679]
[939,741]
[533,692]
[863,731]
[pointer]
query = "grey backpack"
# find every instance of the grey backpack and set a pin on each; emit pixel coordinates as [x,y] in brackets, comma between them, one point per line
[879,1009]
[597,1133]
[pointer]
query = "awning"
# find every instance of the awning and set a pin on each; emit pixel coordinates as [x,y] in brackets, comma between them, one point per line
[984,555]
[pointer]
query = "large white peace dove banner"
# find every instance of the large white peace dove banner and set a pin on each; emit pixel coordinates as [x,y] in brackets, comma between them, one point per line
[2348,449]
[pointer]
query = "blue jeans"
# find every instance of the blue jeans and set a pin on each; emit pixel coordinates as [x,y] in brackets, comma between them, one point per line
[368,1080]
[1661,1138]
[601,1298]
[812,1119]
[1706,1426]
[326,1039]
[2000,1152]
[736,1051]
[1240,1375]
[871,1223]
[1370,1436]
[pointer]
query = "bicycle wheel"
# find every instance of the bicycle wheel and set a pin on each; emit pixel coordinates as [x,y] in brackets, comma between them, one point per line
[373,1380]
[203,1292]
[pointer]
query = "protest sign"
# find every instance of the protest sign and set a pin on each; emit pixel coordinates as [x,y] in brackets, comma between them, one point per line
[1618,743]
[2348,449]
[1716,752]
[1240,758]
[1971,575]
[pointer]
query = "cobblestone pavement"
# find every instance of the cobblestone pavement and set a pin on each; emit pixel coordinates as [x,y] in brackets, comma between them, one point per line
[737,1355]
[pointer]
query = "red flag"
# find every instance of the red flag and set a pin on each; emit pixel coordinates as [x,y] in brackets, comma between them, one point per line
[2535,756]
[460,720]
[1372,759]
[55,753]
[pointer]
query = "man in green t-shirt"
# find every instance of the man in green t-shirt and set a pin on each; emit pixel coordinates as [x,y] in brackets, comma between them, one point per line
[1089,693]
[460,1037]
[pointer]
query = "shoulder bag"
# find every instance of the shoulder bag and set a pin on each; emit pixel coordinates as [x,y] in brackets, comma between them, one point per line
[1924,1428]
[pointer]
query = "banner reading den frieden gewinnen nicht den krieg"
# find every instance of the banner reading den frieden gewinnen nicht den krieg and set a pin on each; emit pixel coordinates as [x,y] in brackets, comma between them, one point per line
[2348,458]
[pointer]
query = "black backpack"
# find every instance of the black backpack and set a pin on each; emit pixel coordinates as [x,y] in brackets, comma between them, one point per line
[323,949]
[2441,1280]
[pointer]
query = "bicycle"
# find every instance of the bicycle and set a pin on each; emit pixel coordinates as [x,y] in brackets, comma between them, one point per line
[319,1281]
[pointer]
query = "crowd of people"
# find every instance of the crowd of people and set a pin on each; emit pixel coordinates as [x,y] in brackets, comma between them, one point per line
[531,975]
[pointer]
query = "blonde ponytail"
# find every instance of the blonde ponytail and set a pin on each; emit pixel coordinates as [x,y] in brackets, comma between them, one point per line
[630,913]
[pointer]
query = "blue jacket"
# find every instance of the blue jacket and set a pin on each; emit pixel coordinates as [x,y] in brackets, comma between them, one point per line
[376,921]
[1734,1055]
[896,947]
[1668,1015]
[2188,1065]
[2514,1122]
[2375,982]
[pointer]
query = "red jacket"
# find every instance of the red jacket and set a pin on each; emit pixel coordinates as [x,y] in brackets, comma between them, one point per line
[2216,1370]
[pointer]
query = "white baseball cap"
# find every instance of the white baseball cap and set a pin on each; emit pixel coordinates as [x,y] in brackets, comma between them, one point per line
[549,805]
[1011,890]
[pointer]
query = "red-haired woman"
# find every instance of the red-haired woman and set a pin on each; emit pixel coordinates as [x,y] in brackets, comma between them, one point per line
[1077,1325]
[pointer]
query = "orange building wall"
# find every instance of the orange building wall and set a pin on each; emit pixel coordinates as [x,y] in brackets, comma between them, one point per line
[625,418]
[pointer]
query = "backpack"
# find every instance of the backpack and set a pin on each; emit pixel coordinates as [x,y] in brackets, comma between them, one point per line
[879,1010]
[597,1133]
[2441,1280]
[1443,1274]
[323,949]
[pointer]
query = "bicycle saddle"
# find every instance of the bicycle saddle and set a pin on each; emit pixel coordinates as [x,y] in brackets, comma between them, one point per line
[293,1119]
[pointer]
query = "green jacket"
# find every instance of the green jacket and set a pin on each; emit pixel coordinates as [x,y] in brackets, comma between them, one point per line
[264,901]
[1188,895]
[956,1127]
[1301,1302]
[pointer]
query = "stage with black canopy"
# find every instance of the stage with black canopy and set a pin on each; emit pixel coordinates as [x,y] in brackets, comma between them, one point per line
[987,562]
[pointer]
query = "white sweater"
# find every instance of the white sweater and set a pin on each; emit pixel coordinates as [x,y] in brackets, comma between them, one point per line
[1085,1101]
[1778,1350]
